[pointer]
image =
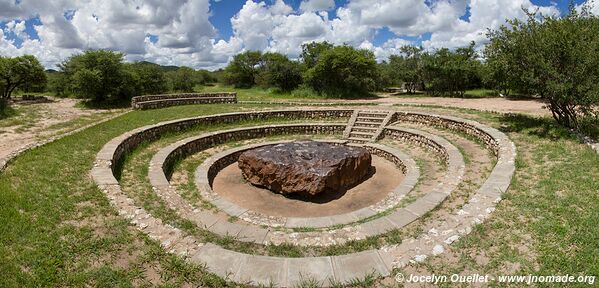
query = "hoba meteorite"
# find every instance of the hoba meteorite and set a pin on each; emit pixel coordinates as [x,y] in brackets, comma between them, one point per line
[305,167]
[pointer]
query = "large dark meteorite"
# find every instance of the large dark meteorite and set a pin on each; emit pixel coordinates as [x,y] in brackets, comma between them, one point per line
[305,167]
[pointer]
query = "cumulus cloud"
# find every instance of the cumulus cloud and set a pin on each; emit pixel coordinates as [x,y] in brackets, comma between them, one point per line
[179,32]
[316,5]
[484,15]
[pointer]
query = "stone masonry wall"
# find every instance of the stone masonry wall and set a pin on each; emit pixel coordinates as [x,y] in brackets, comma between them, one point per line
[450,123]
[166,100]
[243,134]
[154,132]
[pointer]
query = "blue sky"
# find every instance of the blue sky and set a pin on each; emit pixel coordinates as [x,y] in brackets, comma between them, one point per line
[223,11]
[206,33]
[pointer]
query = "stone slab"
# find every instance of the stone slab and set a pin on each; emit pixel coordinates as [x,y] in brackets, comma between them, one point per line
[401,217]
[319,269]
[377,226]
[219,261]
[263,270]
[357,265]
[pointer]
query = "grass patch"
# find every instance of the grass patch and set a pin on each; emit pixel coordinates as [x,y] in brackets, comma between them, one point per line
[261,94]
[58,229]
[7,112]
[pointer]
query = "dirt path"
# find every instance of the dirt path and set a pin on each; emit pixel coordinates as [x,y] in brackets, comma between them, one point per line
[502,105]
[34,122]
[498,104]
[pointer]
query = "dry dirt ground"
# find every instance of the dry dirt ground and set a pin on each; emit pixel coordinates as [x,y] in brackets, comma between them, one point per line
[498,104]
[39,121]
[34,122]
[229,183]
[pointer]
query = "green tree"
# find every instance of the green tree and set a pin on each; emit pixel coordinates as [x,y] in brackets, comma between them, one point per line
[312,51]
[18,72]
[555,58]
[97,75]
[278,71]
[343,71]
[243,69]
[182,79]
[407,68]
[150,78]
[451,73]
[386,76]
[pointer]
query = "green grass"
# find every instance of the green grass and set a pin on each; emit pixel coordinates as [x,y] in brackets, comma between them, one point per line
[480,93]
[45,237]
[7,112]
[23,116]
[58,229]
[261,94]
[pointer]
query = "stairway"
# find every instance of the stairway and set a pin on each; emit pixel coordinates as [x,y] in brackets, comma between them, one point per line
[366,126]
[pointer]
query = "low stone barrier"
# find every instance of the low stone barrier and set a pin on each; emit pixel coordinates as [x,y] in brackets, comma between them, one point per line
[206,173]
[167,100]
[129,140]
[286,272]
[467,127]
[162,161]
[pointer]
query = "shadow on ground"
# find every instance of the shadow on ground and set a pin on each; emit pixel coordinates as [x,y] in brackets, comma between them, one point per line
[542,127]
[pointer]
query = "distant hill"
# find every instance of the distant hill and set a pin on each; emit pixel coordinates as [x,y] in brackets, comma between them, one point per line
[164,68]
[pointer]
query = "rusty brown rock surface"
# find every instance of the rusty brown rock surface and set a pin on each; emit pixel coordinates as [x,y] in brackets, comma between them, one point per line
[305,167]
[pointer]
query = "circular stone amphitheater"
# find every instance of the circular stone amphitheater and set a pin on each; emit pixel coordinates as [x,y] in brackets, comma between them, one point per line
[420,185]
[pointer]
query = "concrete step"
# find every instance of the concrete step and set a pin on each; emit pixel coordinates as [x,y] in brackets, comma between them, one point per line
[367,128]
[370,119]
[373,114]
[366,124]
[357,140]
[361,134]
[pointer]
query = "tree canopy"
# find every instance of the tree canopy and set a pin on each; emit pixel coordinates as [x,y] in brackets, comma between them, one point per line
[97,75]
[555,58]
[343,71]
[19,71]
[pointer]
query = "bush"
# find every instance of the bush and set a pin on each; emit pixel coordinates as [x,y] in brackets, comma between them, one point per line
[555,58]
[451,73]
[242,70]
[343,71]
[19,72]
[149,78]
[279,72]
[98,75]
[182,79]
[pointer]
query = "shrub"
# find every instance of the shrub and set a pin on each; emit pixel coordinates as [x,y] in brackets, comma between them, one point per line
[97,75]
[18,72]
[555,58]
[279,72]
[343,71]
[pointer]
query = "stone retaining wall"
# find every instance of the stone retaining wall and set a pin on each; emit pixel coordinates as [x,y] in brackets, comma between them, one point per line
[166,100]
[131,139]
[447,122]
[417,139]
[206,173]
[286,272]
[214,139]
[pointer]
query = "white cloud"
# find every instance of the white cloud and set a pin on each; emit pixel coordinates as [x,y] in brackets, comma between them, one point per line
[592,6]
[185,35]
[484,14]
[316,5]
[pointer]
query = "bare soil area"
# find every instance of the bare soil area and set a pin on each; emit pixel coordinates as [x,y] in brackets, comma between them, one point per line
[229,183]
[33,122]
[498,104]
